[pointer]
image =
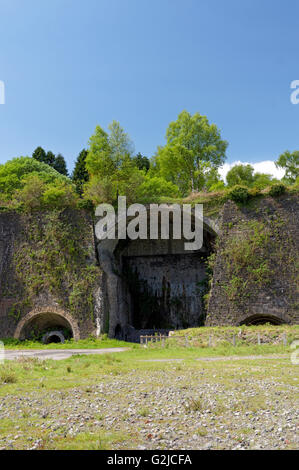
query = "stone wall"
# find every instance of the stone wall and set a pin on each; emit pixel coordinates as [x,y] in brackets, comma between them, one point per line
[48,273]
[257,264]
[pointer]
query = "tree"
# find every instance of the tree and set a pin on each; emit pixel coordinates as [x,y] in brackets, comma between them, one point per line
[60,165]
[154,187]
[193,147]
[263,180]
[119,142]
[50,158]
[111,167]
[99,160]
[14,173]
[80,174]
[240,175]
[142,162]
[289,161]
[39,154]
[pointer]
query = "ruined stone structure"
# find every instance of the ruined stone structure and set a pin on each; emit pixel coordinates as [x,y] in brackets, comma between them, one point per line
[126,287]
[268,290]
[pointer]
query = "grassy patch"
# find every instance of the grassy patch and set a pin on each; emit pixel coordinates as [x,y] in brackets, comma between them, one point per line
[89,343]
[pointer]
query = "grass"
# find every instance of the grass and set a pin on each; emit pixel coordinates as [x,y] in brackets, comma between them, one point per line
[144,371]
[245,336]
[205,340]
[88,343]
[26,374]
[49,382]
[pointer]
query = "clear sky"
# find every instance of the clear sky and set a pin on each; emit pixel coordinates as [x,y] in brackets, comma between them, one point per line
[69,65]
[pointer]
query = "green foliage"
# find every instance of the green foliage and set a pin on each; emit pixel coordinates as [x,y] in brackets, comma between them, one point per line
[142,162]
[111,166]
[240,175]
[52,258]
[262,181]
[80,174]
[50,159]
[289,161]
[39,154]
[154,187]
[239,194]
[246,255]
[60,165]
[277,190]
[59,196]
[193,148]
[32,185]
[98,161]
[219,186]
[14,173]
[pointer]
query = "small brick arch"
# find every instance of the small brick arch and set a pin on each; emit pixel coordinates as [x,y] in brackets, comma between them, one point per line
[259,319]
[48,312]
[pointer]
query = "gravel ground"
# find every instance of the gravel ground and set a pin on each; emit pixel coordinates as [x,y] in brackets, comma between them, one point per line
[231,406]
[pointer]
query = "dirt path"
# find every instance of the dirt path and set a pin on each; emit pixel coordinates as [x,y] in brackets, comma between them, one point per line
[56,354]
[60,354]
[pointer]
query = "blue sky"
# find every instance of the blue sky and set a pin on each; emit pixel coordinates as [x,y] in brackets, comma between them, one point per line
[69,65]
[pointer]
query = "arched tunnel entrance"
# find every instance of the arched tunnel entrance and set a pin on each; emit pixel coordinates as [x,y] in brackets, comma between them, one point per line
[155,283]
[47,326]
[162,284]
[166,288]
[262,320]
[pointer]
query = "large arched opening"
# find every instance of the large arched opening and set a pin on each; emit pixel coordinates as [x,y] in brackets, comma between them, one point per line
[155,284]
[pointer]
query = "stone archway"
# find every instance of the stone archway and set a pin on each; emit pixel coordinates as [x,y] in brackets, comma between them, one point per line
[120,258]
[262,319]
[47,317]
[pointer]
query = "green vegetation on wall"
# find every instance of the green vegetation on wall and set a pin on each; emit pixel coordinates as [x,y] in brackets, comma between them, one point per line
[55,257]
[254,254]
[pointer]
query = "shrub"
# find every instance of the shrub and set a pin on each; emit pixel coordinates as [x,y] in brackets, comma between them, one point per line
[253,192]
[277,190]
[85,204]
[219,186]
[14,172]
[239,194]
[60,196]
[31,193]
[155,187]
[8,377]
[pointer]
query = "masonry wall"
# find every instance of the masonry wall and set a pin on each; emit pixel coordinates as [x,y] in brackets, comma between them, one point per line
[256,270]
[48,265]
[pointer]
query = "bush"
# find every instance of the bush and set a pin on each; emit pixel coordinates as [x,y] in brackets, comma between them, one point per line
[85,204]
[14,173]
[155,187]
[60,196]
[30,196]
[253,192]
[277,190]
[239,194]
